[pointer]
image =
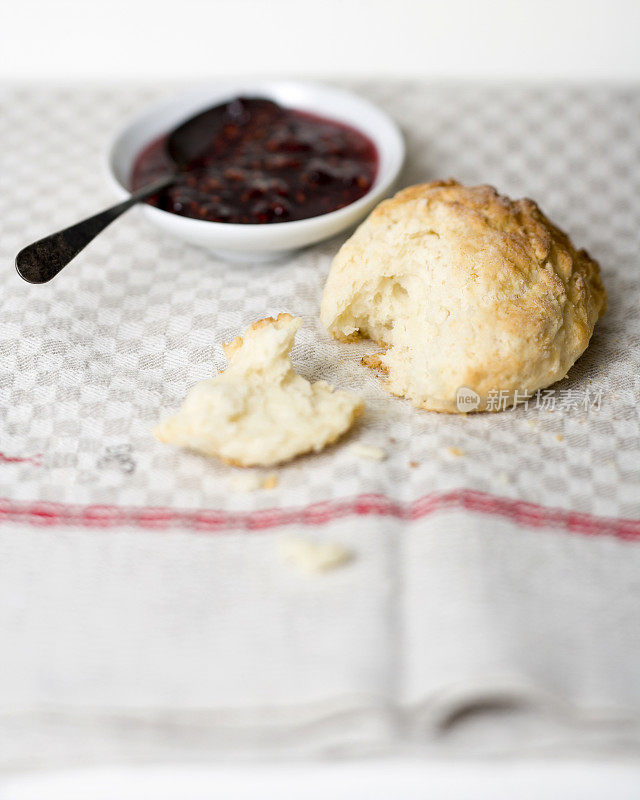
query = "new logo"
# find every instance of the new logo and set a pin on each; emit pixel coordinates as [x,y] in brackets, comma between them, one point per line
[467,399]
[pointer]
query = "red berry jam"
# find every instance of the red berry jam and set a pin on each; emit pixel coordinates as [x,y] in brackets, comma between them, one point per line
[265,163]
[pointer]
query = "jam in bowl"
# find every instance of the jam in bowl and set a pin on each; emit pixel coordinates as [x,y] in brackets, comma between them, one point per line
[262,164]
[323,161]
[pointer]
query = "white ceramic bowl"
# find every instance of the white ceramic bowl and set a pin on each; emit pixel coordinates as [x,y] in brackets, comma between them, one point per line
[271,241]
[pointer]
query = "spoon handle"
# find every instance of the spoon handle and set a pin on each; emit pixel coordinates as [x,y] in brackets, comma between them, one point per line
[43,260]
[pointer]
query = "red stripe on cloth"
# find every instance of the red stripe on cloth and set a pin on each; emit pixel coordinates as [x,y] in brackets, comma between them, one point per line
[46,514]
[35,460]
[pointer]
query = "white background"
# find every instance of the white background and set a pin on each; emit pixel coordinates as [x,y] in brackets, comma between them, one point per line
[73,40]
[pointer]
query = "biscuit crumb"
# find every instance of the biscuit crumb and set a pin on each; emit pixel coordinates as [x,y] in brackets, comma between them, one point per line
[413,464]
[373,361]
[310,556]
[370,451]
[249,481]
[270,481]
[245,481]
[456,452]
[559,437]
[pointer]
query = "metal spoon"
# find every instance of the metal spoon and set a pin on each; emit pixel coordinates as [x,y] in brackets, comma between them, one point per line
[43,260]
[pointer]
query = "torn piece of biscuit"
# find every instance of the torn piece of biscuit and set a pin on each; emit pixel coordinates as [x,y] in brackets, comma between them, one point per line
[259,411]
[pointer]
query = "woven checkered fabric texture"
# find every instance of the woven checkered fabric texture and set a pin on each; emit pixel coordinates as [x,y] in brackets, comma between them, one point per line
[89,362]
[492,603]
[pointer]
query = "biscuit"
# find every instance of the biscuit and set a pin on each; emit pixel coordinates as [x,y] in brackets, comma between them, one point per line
[468,293]
[259,412]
